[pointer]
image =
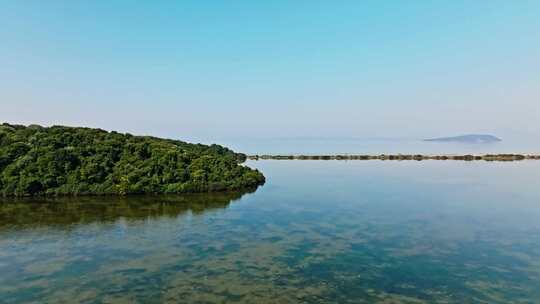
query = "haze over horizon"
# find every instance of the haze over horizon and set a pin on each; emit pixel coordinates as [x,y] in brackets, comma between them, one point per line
[241,69]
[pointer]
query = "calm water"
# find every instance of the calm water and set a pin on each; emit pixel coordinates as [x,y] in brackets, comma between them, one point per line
[317,232]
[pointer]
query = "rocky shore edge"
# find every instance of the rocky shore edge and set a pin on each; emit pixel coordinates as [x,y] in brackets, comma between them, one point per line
[401,157]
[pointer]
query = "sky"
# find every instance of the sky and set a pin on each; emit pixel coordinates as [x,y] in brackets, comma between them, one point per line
[213,70]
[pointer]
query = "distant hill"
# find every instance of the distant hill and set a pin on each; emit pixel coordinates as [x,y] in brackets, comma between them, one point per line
[469,138]
[81,161]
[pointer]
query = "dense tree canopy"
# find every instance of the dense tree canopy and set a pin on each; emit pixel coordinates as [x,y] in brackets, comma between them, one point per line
[60,160]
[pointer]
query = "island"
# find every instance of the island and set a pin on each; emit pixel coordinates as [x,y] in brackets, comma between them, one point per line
[60,160]
[469,139]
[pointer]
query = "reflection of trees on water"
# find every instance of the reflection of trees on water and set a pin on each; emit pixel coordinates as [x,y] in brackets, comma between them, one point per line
[77,210]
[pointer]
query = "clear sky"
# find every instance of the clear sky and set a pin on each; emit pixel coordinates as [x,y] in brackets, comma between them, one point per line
[205,70]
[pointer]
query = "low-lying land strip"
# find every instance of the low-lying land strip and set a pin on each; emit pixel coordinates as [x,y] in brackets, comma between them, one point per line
[417,157]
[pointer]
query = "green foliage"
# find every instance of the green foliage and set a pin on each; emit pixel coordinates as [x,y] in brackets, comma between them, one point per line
[80,161]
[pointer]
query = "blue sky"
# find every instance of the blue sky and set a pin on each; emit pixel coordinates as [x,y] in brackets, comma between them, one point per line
[207,70]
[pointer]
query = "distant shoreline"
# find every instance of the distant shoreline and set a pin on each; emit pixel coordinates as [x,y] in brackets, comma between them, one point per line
[401,157]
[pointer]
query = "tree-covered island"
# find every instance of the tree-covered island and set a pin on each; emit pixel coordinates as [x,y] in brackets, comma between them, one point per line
[61,160]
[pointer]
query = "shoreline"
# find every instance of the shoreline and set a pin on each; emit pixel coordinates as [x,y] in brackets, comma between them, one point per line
[401,157]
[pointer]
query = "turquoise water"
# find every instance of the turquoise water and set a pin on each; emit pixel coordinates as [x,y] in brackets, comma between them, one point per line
[316,232]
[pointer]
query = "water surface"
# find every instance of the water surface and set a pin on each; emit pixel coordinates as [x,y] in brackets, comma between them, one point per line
[316,232]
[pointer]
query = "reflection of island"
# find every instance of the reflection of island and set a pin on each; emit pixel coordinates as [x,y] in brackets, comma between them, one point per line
[468,139]
[78,210]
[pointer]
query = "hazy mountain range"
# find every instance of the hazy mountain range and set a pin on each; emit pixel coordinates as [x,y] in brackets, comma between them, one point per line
[469,138]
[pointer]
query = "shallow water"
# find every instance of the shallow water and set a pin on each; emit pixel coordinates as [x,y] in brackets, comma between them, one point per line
[316,232]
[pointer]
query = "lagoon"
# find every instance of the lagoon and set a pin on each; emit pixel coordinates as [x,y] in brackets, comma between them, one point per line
[316,232]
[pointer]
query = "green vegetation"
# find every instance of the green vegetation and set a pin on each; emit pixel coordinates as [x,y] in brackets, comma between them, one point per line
[59,160]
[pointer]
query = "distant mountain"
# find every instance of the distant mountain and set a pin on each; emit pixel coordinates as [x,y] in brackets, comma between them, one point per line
[469,138]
